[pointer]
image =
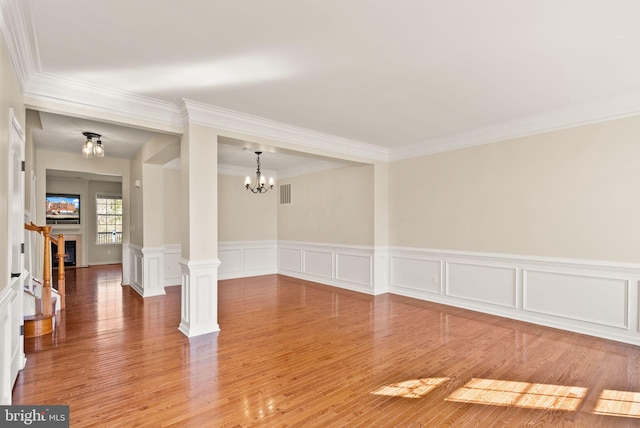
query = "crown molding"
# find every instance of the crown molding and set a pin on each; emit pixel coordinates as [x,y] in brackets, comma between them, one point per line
[16,26]
[230,120]
[609,109]
[45,88]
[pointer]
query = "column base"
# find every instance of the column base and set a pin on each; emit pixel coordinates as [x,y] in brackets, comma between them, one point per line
[199,306]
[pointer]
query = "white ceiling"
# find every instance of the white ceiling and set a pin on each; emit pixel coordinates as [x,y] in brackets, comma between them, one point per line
[394,74]
[64,133]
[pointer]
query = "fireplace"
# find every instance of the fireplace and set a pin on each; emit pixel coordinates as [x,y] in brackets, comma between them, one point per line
[69,253]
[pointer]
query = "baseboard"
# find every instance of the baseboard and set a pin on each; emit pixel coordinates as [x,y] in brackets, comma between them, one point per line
[112,262]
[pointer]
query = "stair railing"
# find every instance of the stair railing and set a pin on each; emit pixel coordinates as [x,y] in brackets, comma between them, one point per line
[45,231]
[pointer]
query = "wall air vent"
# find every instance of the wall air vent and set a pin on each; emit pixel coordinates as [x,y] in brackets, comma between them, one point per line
[285,194]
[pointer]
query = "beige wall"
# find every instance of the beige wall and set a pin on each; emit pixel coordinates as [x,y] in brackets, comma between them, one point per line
[171,200]
[244,216]
[137,225]
[571,193]
[153,202]
[11,97]
[334,207]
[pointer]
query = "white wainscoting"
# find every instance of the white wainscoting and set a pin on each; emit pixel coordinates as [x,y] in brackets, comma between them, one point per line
[596,298]
[590,297]
[172,269]
[146,270]
[246,258]
[349,267]
[136,263]
[12,357]
[6,383]
[18,358]
[482,283]
[153,275]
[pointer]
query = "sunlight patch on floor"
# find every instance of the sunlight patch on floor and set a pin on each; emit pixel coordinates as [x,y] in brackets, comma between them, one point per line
[618,403]
[414,388]
[520,394]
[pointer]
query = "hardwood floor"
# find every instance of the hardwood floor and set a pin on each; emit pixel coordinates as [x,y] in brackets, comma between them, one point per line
[294,353]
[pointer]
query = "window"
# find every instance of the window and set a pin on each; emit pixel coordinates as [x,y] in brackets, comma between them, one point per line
[108,219]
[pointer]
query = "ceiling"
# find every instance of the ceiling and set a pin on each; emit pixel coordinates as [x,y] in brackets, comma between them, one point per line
[401,76]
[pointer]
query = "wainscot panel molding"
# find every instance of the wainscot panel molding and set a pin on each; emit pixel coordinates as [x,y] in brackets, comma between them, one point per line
[136,268]
[578,297]
[6,384]
[483,283]
[146,270]
[241,259]
[172,270]
[590,297]
[381,268]
[18,357]
[199,297]
[344,266]
[153,271]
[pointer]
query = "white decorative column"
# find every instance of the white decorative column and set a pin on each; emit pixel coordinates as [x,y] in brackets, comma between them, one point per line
[199,265]
[381,228]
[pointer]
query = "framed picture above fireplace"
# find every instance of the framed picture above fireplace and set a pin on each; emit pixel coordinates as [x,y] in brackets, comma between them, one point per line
[63,208]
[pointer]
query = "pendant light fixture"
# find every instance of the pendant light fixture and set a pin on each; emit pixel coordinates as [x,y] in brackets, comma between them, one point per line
[91,149]
[261,185]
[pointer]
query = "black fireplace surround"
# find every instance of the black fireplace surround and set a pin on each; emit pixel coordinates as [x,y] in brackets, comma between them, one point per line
[69,253]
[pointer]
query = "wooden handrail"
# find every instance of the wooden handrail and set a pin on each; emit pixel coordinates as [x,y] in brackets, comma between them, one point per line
[46,272]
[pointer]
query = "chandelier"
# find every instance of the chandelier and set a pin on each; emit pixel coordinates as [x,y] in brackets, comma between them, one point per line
[91,149]
[261,185]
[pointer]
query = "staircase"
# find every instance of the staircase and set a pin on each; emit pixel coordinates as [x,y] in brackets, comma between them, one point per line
[41,302]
